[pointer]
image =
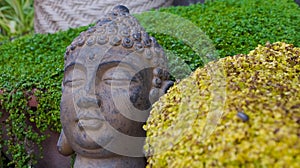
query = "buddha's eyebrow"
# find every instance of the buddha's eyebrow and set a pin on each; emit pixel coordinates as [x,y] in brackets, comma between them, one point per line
[72,65]
[108,64]
[111,64]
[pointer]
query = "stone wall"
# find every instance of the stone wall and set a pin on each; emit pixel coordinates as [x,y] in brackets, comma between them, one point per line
[186,2]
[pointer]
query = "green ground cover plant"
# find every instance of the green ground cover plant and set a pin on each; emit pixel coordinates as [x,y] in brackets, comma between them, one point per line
[33,64]
[237,26]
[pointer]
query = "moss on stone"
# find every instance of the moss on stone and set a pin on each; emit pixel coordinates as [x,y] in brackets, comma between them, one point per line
[184,129]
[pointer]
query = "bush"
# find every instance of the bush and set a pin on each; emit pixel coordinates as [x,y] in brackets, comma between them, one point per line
[241,111]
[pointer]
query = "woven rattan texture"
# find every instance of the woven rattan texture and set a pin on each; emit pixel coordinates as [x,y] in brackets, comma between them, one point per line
[55,15]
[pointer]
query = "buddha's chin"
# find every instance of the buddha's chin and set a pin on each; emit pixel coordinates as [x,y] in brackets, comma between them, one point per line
[88,147]
[88,143]
[92,139]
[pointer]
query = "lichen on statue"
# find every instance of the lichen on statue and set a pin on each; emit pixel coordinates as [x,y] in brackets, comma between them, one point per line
[113,73]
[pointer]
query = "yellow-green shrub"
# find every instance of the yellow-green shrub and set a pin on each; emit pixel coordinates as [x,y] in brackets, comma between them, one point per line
[263,84]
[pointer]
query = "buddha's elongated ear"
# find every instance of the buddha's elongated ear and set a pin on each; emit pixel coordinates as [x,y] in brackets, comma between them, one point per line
[166,86]
[160,84]
[156,93]
[63,145]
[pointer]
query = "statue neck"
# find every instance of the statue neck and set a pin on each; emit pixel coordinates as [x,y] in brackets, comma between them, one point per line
[110,162]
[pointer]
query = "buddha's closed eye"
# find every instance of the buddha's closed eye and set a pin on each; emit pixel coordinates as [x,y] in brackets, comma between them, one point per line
[119,77]
[74,82]
[74,78]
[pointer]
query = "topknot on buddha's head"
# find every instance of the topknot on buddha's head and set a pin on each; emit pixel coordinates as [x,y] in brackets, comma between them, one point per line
[120,29]
[120,9]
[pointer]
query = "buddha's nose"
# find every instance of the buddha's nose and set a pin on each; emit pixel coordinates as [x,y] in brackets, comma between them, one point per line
[88,102]
[89,87]
[87,97]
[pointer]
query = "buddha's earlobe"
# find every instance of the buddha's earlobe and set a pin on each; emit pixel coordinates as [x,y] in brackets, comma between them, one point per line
[63,145]
[166,86]
[154,95]
[62,86]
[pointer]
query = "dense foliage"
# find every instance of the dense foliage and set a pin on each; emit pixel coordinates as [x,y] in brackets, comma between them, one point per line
[16,18]
[33,65]
[237,26]
[246,115]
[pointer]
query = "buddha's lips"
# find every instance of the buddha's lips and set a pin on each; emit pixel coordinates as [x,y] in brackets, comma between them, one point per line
[89,115]
[90,123]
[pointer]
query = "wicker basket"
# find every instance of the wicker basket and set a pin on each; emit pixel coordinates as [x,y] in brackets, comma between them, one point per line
[55,15]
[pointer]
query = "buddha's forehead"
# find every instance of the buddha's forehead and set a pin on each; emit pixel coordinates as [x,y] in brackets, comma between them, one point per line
[93,57]
[117,36]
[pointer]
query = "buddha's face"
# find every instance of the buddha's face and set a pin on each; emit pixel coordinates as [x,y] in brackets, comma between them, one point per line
[97,88]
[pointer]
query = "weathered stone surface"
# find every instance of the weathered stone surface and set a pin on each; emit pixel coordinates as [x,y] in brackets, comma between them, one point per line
[113,73]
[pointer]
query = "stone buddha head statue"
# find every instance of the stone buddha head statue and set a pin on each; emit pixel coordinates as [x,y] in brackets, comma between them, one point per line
[113,73]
